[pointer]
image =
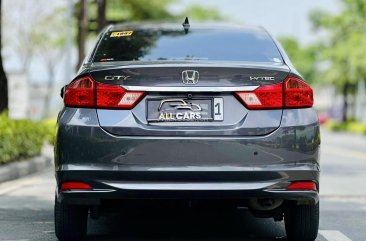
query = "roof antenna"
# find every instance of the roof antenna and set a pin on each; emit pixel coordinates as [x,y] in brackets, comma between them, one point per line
[186,25]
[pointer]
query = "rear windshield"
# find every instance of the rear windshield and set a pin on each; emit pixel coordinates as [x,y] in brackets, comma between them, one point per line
[160,45]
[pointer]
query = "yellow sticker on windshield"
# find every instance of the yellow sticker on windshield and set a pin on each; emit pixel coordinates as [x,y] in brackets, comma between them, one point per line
[121,34]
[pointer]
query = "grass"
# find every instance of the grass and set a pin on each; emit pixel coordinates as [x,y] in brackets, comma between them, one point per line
[349,126]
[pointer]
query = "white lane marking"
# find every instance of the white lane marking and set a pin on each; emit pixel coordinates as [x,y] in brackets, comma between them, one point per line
[334,235]
[15,240]
[43,222]
[13,185]
[344,152]
[361,199]
[8,187]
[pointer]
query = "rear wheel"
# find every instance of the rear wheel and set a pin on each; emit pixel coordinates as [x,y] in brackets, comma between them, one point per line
[302,222]
[70,221]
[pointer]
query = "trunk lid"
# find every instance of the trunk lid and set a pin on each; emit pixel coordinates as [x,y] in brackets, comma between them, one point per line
[216,83]
[210,75]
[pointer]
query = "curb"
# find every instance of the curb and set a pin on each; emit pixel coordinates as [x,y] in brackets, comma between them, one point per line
[16,170]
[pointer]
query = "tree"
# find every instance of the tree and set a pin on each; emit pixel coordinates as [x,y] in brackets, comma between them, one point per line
[23,44]
[138,10]
[346,31]
[50,48]
[304,58]
[3,79]
[101,17]
[198,13]
[83,23]
[113,11]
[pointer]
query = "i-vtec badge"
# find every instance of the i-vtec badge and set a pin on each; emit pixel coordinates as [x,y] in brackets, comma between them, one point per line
[116,77]
[268,78]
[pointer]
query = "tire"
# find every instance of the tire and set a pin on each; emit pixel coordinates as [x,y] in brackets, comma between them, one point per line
[70,221]
[302,222]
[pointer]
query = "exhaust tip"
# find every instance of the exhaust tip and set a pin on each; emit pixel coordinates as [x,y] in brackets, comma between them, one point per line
[264,204]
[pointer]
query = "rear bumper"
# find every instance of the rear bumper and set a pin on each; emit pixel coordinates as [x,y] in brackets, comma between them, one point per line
[144,191]
[187,185]
[140,167]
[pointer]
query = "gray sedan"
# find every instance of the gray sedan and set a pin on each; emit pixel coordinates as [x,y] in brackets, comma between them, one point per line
[195,115]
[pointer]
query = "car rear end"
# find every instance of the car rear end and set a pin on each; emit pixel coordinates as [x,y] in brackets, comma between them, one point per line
[217,113]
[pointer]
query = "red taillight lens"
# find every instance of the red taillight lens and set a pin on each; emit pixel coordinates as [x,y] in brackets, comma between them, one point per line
[112,96]
[66,186]
[265,97]
[80,93]
[84,92]
[298,94]
[302,186]
[294,93]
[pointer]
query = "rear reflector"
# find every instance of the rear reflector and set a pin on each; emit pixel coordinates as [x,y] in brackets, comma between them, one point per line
[66,186]
[293,93]
[304,186]
[85,92]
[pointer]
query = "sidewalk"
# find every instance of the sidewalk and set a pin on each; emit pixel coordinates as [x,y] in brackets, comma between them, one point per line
[343,166]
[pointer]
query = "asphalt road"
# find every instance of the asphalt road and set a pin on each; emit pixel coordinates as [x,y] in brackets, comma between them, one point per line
[26,208]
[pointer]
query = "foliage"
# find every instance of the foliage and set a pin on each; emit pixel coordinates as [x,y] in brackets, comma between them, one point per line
[131,10]
[349,126]
[138,10]
[102,12]
[200,13]
[50,34]
[147,10]
[342,53]
[49,126]
[30,12]
[347,35]
[50,41]
[20,138]
[304,58]
[3,80]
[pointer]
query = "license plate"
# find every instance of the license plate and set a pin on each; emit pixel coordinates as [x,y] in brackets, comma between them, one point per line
[185,110]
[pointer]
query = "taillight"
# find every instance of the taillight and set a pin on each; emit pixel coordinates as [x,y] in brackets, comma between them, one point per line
[293,93]
[112,96]
[298,94]
[302,186]
[66,186]
[80,93]
[264,97]
[85,92]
